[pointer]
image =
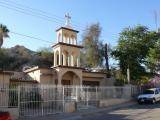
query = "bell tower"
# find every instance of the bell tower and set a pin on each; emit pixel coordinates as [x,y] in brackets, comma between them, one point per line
[66,50]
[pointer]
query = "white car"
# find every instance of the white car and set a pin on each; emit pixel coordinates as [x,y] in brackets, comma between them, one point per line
[149,95]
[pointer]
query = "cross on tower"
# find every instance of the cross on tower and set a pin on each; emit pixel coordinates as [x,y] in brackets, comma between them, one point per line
[67,20]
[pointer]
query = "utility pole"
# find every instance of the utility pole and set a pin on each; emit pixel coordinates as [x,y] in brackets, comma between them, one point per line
[106,56]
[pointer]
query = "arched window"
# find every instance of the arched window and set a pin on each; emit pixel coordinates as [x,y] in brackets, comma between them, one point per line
[62,59]
[66,58]
[78,62]
[64,38]
[57,57]
[75,62]
[68,40]
[75,41]
[59,37]
[53,59]
[72,39]
[72,60]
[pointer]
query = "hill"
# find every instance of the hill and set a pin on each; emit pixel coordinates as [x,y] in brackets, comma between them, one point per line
[19,57]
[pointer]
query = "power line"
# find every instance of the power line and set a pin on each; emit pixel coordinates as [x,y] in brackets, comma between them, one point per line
[32,12]
[35,12]
[41,11]
[28,36]
[28,13]
[38,10]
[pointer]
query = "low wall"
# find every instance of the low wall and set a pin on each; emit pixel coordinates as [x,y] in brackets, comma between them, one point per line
[111,102]
[70,107]
[13,112]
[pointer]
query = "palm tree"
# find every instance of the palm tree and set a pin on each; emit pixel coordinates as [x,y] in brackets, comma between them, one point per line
[3,33]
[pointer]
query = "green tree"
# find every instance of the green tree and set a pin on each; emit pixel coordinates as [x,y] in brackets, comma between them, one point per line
[3,33]
[4,59]
[153,58]
[132,50]
[46,56]
[92,54]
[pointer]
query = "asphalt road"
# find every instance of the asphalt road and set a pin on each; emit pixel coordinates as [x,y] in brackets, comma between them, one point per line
[136,112]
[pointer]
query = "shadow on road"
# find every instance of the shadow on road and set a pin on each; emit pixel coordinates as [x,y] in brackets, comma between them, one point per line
[145,111]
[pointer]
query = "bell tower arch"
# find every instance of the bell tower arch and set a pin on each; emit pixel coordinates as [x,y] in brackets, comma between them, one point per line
[67,52]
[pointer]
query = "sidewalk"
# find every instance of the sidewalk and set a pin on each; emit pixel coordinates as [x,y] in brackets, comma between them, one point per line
[80,114]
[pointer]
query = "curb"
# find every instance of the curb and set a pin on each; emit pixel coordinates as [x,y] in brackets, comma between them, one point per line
[109,108]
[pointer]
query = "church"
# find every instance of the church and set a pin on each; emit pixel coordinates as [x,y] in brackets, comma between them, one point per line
[66,69]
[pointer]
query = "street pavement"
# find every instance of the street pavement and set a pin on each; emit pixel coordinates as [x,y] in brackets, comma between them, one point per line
[135,112]
[128,112]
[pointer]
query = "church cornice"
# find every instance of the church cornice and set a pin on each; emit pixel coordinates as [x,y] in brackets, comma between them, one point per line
[71,45]
[71,67]
[67,29]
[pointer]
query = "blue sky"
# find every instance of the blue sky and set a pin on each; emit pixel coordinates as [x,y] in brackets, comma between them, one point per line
[113,16]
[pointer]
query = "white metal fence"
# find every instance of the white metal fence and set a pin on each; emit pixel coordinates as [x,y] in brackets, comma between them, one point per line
[8,96]
[39,100]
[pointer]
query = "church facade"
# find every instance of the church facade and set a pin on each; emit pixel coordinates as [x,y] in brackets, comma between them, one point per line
[66,68]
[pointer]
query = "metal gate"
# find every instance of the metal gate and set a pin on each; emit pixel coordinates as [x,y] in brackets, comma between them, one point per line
[40,100]
[84,97]
[88,98]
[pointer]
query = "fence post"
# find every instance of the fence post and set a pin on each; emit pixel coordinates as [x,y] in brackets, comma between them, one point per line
[42,87]
[96,94]
[76,93]
[87,96]
[63,98]
[19,99]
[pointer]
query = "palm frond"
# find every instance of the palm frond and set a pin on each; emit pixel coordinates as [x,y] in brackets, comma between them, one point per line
[4,30]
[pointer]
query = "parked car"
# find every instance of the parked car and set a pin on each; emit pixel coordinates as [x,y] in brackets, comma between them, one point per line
[5,116]
[149,95]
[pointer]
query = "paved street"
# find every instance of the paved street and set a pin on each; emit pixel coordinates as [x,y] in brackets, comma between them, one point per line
[134,112]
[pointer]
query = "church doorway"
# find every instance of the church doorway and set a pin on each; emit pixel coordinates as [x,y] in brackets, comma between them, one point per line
[70,78]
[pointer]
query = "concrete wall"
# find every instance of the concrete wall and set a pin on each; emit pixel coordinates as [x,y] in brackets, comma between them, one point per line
[112,102]
[95,76]
[70,107]
[4,78]
[43,75]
